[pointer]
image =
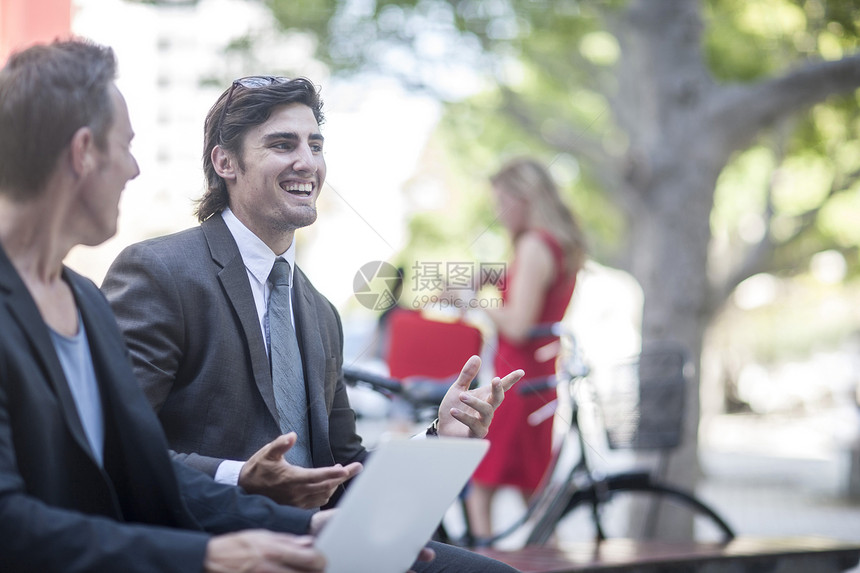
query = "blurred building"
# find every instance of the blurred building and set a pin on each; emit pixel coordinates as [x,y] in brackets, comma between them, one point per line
[23,22]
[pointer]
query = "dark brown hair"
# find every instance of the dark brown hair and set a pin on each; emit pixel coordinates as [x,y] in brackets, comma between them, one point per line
[248,108]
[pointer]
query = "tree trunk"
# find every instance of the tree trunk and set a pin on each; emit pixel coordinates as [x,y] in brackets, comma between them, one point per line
[674,163]
[669,245]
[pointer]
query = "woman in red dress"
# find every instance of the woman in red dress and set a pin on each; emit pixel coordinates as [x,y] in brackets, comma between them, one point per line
[549,250]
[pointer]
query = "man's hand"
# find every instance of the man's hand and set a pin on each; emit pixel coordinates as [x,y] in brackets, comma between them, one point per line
[268,473]
[473,420]
[319,520]
[261,551]
[425,555]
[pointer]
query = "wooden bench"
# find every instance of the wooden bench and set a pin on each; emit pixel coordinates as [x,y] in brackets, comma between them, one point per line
[743,555]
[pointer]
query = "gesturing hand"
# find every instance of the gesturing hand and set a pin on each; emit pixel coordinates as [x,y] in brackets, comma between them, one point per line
[466,413]
[268,473]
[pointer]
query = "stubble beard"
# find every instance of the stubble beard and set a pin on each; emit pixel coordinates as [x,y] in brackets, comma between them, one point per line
[305,217]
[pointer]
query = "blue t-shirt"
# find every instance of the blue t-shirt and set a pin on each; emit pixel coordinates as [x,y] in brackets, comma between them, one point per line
[77,362]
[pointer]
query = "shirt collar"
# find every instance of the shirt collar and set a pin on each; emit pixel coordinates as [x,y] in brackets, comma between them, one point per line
[257,256]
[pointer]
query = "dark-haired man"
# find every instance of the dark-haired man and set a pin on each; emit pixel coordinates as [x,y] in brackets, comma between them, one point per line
[86,482]
[196,309]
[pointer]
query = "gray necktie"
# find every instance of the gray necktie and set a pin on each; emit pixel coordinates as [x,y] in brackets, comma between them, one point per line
[287,376]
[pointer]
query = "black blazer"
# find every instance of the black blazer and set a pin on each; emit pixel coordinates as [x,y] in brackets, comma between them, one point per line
[185,307]
[60,511]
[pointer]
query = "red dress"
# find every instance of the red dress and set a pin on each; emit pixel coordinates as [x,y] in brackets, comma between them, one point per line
[519,452]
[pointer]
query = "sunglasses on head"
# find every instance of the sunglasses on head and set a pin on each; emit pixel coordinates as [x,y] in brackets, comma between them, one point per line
[248,82]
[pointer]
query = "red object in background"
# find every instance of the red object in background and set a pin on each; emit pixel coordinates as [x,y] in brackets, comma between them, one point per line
[27,22]
[420,346]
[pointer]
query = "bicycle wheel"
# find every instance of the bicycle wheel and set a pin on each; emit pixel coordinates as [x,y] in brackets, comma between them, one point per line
[615,497]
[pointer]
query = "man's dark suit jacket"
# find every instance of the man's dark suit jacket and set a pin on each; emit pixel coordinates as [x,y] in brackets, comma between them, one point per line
[60,511]
[185,306]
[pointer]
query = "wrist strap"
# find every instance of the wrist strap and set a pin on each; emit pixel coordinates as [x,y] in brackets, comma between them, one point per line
[433,429]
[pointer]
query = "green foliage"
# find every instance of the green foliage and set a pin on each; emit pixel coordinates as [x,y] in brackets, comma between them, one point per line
[357,35]
[741,189]
[305,15]
[747,39]
[803,182]
[840,216]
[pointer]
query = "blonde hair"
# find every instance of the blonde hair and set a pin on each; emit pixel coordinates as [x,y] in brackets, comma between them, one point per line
[530,180]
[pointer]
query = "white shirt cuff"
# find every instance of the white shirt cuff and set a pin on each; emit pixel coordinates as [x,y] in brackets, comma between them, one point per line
[228,472]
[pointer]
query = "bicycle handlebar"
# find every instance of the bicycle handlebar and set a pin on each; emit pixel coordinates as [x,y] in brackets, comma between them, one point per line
[352,376]
[417,391]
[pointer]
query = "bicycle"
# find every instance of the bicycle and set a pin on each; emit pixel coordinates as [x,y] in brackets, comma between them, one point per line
[571,485]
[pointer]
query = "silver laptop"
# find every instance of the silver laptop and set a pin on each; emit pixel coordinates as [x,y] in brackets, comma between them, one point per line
[394,505]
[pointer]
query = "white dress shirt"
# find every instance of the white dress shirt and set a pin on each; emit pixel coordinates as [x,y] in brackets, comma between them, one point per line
[259,260]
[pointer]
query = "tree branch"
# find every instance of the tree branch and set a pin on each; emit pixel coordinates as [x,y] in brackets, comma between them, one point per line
[757,259]
[738,112]
[754,259]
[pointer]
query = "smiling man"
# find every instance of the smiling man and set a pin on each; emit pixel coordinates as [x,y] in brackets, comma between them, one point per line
[236,350]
